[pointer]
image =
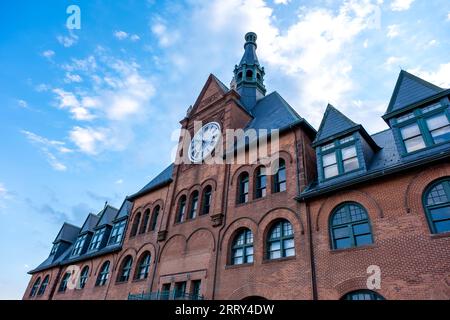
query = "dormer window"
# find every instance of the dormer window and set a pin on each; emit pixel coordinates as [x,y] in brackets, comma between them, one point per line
[339,157]
[54,249]
[79,245]
[117,232]
[424,127]
[97,239]
[249,74]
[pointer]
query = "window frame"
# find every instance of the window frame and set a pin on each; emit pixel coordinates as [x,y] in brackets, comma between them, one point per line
[276,177]
[35,287]
[103,275]
[194,205]
[374,295]
[97,239]
[420,118]
[243,247]
[283,237]
[143,265]
[79,245]
[181,209]
[260,191]
[206,200]
[242,195]
[117,232]
[84,275]
[125,269]
[144,225]
[335,147]
[446,185]
[154,220]
[63,284]
[43,286]
[350,226]
[135,225]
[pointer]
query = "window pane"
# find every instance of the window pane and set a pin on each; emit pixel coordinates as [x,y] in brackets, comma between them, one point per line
[440,213]
[414,144]
[238,253]
[341,232]
[275,254]
[290,252]
[410,131]
[361,228]
[328,147]
[276,232]
[249,251]
[432,107]
[288,244]
[287,229]
[437,195]
[442,226]
[348,152]
[405,117]
[331,171]
[274,246]
[441,135]
[250,259]
[343,243]
[363,240]
[346,139]
[351,164]
[436,122]
[238,260]
[329,159]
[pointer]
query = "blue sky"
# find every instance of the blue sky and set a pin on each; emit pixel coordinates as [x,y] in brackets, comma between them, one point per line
[89,115]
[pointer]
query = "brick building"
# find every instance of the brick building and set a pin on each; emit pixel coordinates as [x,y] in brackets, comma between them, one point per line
[341,206]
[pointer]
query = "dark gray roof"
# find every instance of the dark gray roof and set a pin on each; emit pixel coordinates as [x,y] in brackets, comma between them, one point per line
[249,56]
[68,233]
[160,180]
[125,209]
[107,215]
[333,122]
[51,261]
[90,223]
[272,112]
[410,89]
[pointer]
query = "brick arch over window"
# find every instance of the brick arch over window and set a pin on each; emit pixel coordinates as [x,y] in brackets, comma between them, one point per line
[90,265]
[112,264]
[210,181]
[370,204]
[244,168]
[282,213]
[233,227]
[128,252]
[418,184]
[350,285]
[253,289]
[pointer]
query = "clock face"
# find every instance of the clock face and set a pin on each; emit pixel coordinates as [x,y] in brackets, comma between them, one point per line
[204,142]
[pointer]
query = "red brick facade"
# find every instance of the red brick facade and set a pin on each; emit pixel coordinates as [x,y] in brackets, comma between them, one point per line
[414,264]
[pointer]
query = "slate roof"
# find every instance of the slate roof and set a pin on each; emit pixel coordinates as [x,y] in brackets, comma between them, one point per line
[67,233]
[410,89]
[125,209]
[160,180]
[90,223]
[333,122]
[107,216]
[249,56]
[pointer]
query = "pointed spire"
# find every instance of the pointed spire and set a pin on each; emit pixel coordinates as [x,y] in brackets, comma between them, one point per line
[410,89]
[249,75]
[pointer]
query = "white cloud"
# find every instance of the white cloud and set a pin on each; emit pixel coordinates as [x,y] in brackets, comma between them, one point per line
[393,31]
[393,62]
[68,41]
[121,35]
[120,181]
[68,100]
[48,148]
[72,78]
[22,103]
[433,42]
[135,37]
[48,54]
[281,1]
[401,5]
[165,38]
[42,87]
[448,16]
[89,140]
[438,77]
[3,191]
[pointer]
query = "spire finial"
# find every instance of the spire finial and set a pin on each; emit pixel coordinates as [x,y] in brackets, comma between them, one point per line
[250,38]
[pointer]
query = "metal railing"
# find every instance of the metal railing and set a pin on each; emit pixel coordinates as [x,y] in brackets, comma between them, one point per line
[164,295]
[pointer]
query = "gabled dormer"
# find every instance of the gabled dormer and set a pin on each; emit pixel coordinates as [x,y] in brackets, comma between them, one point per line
[67,235]
[120,223]
[103,229]
[418,113]
[342,146]
[85,235]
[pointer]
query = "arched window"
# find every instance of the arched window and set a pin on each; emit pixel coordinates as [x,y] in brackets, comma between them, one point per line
[260,182]
[143,266]
[362,295]
[436,202]
[181,209]
[350,226]
[43,286]
[145,221]
[249,74]
[239,75]
[135,226]
[243,188]
[280,240]
[194,205]
[83,277]
[154,218]
[207,196]
[103,275]
[35,287]
[242,247]
[279,179]
[64,281]
[125,269]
